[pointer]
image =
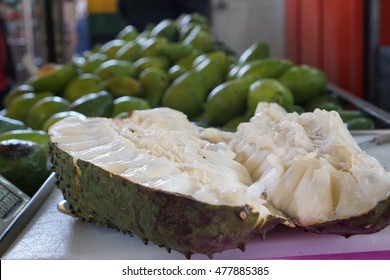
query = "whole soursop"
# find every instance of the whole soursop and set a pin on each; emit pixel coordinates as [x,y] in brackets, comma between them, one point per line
[197,190]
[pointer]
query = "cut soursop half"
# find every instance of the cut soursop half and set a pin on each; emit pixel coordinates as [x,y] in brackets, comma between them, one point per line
[197,190]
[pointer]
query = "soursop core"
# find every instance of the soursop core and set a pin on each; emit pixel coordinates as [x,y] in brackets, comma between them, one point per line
[308,166]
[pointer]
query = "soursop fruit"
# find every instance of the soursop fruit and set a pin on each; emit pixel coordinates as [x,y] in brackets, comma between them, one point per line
[203,190]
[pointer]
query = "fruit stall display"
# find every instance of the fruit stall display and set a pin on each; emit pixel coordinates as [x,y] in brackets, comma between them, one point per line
[174,81]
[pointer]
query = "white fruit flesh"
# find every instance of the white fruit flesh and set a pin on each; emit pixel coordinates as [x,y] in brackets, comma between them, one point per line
[160,149]
[307,166]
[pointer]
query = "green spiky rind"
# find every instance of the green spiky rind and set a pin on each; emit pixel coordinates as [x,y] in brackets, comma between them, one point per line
[372,221]
[169,220]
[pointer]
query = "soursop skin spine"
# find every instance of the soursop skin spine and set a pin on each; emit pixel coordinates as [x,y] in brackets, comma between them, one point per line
[169,220]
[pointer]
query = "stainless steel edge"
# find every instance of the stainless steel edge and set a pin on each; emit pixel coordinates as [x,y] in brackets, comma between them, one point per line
[26,214]
[365,106]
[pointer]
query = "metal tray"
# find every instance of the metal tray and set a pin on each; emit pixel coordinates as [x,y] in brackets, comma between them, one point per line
[374,111]
[25,215]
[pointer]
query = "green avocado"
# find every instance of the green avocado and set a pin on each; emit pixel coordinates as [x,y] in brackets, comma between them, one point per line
[317,101]
[25,164]
[123,86]
[186,94]
[15,92]
[347,115]
[217,57]
[269,90]
[7,124]
[126,104]
[228,100]
[83,84]
[44,109]
[175,71]
[130,51]
[200,40]
[154,82]
[174,51]
[233,71]
[212,73]
[116,67]
[233,123]
[21,105]
[98,104]
[258,50]
[151,45]
[92,62]
[186,62]
[360,123]
[305,82]
[152,61]
[37,136]
[265,68]
[128,33]
[166,28]
[330,106]
[55,80]
[185,28]
[59,116]
[111,47]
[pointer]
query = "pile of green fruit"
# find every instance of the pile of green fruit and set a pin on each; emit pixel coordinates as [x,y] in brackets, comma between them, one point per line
[177,64]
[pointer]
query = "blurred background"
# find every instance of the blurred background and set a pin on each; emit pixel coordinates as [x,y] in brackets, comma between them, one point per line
[349,39]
